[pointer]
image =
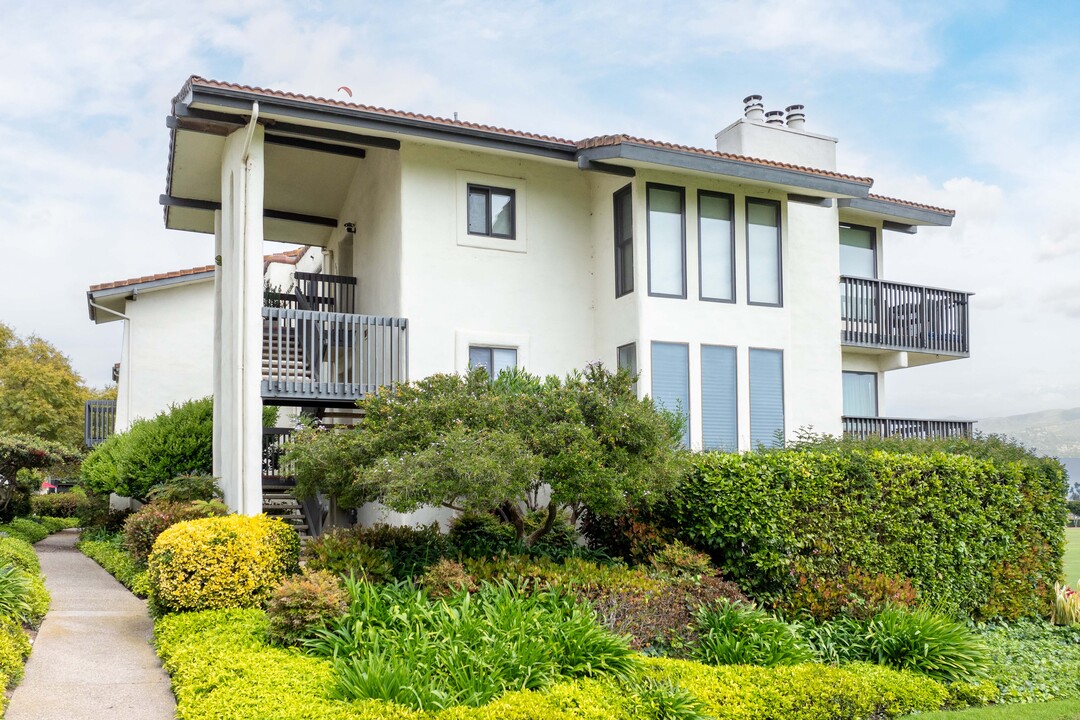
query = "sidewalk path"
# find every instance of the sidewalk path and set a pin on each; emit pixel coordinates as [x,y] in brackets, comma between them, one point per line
[92,657]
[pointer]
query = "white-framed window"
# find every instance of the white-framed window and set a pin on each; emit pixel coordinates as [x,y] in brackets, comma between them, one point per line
[766,397]
[492,359]
[860,394]
[491,211]
[764,269]
[671,381]
[719,399]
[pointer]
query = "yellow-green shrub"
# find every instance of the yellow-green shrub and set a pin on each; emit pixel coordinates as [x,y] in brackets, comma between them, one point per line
[221,562]
[14,649]
[18,552]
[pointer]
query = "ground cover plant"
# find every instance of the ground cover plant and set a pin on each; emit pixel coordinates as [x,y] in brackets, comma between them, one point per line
[107,550]
[1033,661]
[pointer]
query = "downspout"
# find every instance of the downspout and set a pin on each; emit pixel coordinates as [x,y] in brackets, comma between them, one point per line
[245,159]
[126,352]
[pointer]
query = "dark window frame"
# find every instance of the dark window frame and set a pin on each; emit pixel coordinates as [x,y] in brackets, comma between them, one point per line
[779,251]
[622,244]
[648,235]
[701,401]
[701,274]
[488,190]
[877,399]
[783,387]
[491,356]
[875,241]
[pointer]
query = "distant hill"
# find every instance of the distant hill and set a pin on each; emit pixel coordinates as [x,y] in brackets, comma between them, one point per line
[1050,432]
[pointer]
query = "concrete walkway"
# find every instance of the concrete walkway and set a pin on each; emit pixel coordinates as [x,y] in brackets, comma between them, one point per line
[92,657]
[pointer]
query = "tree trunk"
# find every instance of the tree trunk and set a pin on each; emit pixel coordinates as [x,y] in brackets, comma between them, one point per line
[511,511]
[549,521]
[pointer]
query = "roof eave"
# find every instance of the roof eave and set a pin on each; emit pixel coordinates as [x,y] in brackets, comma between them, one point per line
[789,178]
[95,296]
[899,212]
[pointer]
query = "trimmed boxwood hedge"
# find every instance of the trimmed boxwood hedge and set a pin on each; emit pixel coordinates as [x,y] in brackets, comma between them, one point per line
[976,536]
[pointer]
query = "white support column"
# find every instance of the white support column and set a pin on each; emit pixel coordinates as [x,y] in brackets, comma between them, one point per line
[218,399]
[239,414]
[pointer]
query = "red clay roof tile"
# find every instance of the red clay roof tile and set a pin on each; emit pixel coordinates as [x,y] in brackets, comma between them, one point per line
[289,256]
[909,203]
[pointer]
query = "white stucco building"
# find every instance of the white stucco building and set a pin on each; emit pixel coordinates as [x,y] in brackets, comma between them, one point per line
[743,282]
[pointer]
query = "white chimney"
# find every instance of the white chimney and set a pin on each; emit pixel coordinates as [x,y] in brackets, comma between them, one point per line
[774,117]
[754,109]
[796,118]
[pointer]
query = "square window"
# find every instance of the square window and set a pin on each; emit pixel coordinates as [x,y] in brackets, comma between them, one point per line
[492,359]
[491,211]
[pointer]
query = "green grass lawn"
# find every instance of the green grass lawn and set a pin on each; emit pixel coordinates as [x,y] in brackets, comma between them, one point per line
[1057,710]
[1072,556]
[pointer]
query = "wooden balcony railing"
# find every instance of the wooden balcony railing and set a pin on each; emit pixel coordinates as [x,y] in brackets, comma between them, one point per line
[864,427]
[99,421]
[888,315]
[330,358]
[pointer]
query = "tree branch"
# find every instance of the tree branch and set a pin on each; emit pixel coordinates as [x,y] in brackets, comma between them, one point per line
[549,521]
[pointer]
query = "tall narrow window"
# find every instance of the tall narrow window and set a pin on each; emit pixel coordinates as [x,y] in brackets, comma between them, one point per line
[671,380]
[858,251]
[719,407]
[491,211]
[860,394]
[492,359]
[763,269]
[627,359]
[624,242]
[716,246]
[766,398]
[667,241]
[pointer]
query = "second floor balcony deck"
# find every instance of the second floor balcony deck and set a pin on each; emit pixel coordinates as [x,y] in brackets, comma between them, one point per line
[894,316]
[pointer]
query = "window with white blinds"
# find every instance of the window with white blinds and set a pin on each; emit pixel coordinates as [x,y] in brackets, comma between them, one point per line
[719,407]
[766,397]
[492,359]
[671,380]
[860,394]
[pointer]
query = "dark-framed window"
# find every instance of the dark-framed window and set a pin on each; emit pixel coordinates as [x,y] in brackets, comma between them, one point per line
[860,394]
[719,399]
[491,211]
[666,208]
[492,359]
[626,358]
[624,241]
[764,262]
[671,381]
[766,398]
[716,246]
[858,250]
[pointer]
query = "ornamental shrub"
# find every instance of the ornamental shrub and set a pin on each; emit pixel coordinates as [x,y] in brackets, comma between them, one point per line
[302,603]
[16,551]
[676,559]
[737,634]
[142,528]
[378,552]
[14,649]
[186,488]
[857,594]
[445,578]
[64,504]
[978,536]
[926,643]
[25,529]
[221,562]
[15,593]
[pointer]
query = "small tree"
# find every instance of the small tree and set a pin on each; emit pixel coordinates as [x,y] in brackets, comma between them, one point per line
[25,452]
[508,446]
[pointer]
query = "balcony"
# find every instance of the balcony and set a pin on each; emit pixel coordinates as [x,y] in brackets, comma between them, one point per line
[317,351]
[99,421]
[907,428]
[893,316]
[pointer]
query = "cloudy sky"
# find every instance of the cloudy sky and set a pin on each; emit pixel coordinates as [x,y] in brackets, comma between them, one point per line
[967,105]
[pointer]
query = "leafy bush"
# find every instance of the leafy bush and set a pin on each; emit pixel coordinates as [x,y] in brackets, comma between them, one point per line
[16,551]
[478,535]
[302,603]
[186,488]
[98,515]
[25,529]
[676,559]
[110,554]
[634,535]
[576,574]
[14,650]
[661,619]
[1033,661]
[142,527]
[65,504]
[983,537]
[379,552]
[220,562]
[446,577]
[737,634]
[466,649]
[55,524]
[14,593]
[856,593]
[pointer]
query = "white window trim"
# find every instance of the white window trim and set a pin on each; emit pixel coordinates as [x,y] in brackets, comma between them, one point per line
[464,338]
[519,243]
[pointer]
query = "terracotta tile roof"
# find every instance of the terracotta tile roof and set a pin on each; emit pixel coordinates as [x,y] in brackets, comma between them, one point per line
[605,140]
[290,256]
[909,203]
[571,145]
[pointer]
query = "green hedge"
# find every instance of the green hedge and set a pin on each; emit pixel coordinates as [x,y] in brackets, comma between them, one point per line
[222,668]
[981,537]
